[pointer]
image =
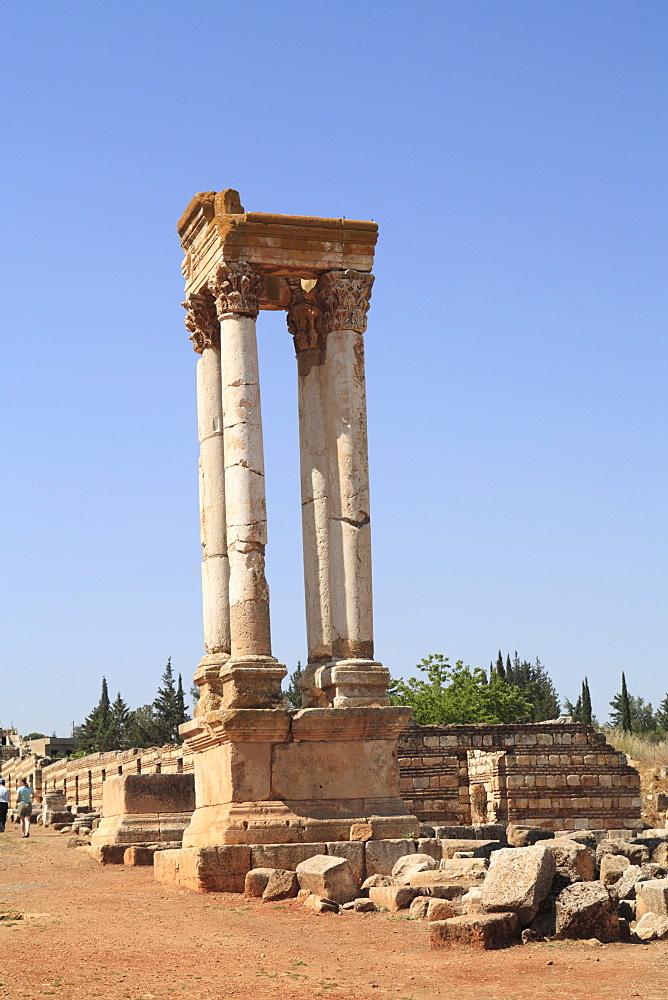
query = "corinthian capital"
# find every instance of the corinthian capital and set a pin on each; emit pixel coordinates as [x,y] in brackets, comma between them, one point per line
[303,314]
[202,321]
[343,298]
[236,287]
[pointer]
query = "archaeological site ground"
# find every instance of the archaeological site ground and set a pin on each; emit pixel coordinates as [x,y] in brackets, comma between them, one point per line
[339,849]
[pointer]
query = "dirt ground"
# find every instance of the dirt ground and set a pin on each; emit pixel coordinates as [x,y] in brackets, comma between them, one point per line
[92,931]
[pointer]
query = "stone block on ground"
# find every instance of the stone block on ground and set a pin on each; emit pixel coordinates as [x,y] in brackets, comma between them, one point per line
[214,869]
[426,832]
[586,837]
[418,908]
[518,880]
[360,905]
[480,848]
[473,869]
[491,831]
[484,930]
[382,855]
[440,909]
[281,884]
[472,901]
[613,867]
[328,877]
[320,905]
[355,854]
[376,881]
[455,832]
[166,866]
[572,859]
[637,854]
[660,853]
[108,854]
[587,910]
[526,836]
[651,926]
[430,846]
[411,864]
[284,856]
[394,897]
[446,886]
[137,855]
[78,842]
[256,881]
[626,886]
[652,897]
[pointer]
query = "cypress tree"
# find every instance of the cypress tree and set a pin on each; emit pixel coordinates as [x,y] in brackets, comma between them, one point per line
[625,707]
[500,669]
[509,669]
[94,734]
[586,703]
[181,710]
[166,708]
[293,693]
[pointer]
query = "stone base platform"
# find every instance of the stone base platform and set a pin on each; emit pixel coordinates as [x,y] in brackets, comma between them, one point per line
[145,809]
[223,868]
[269,776]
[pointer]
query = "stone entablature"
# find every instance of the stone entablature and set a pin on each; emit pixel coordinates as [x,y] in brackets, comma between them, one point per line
[554,775]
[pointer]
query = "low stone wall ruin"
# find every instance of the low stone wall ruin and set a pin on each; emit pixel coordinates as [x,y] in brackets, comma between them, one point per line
[558,776]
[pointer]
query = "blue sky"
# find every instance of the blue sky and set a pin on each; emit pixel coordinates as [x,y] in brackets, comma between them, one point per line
[514,156]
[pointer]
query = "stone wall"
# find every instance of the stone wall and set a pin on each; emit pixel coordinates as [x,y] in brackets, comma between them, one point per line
[81,778]
[553,775]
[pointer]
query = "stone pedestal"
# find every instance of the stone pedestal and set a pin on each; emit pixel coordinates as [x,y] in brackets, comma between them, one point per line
[268,776]
[145,809]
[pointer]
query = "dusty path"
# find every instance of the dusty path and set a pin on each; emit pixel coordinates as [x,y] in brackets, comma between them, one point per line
[89,931]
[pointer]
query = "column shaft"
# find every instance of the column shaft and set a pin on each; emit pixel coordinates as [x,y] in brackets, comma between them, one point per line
[213,529]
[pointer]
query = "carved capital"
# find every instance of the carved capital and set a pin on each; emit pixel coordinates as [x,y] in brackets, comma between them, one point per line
[202,321]
[343,298]
[303,315]
[236,286]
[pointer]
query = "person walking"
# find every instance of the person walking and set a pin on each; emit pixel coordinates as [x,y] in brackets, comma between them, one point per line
[4,804]
[24,802]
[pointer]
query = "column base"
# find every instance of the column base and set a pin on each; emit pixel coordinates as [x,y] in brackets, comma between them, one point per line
[266,776]
[350,683]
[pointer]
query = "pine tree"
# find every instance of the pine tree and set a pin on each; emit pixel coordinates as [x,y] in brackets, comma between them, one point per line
[167,710]
[181,710]
[625,707]
[586,703]
[118,730]
[293,693]
[662,714]
[94,734]
[534,682]
[500,669]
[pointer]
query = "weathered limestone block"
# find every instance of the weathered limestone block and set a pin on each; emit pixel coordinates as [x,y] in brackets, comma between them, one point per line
[637,854]
[376,881]
[451,884]
[651,926]
[355,854]
[214,869]
[411,864]
[440,909]
[328,877]
[518,880]
[472,900]
[138,856]
[382,855]
[613,867]
[660,854]
[587,910]
[430,846]
[256,881]
[479,848]
[361,831]
[280,885]
[468,870]
[320,904]
[652,897]
[143,808]
[394,897]
[285,856]
[108,854]
[419,907]
[572,859]
[625,887]
[360,905]
[485,931]
[526,836]
[166,866]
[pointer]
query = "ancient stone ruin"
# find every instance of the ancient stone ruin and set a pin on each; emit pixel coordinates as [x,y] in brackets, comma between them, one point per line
[263,774]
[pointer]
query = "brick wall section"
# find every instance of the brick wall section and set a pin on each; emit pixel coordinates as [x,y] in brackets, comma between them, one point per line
[81,778]
[553,775]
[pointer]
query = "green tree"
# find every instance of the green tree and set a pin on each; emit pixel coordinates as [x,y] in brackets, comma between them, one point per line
[142,727]
[662,714]
[168,708]
[534,682]
[586,703]
[621,716]
[500,669]
[33,736]
[458,694]
[293,692]
[94,733]
[118,730]
[181,710]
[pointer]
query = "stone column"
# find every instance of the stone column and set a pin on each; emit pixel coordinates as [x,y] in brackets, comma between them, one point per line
[202,322]
[311,387]
[355,679]
[252,677]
